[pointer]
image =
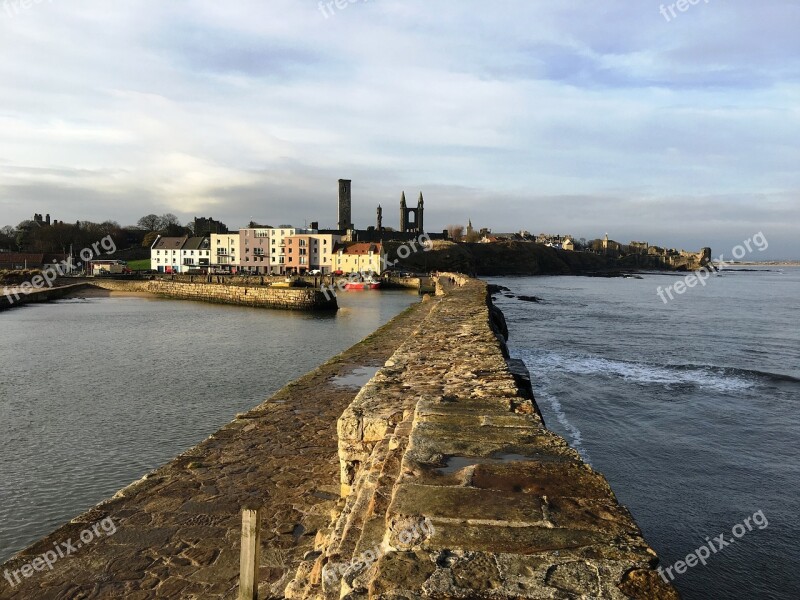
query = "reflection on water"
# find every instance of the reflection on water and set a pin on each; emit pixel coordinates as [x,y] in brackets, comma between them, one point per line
[95,393]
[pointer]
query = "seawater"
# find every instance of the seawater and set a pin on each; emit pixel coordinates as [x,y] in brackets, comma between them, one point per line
[691,410]
[95,393]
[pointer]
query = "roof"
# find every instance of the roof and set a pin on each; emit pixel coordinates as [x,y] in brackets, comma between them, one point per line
[197,243]
[358,248]
[33,259]
[169,243]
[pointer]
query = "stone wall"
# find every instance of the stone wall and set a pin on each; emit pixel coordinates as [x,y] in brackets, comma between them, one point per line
[453,488]
[258,296]
[44,295]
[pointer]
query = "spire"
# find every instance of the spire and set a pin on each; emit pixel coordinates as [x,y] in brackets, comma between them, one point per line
[403,200]
[421,202]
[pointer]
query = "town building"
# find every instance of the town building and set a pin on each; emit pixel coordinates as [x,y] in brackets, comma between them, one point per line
[207,226]
[20,261]
[255,250]
[310,252]
[359,257]
[165,254]
[196,255]
[224,252]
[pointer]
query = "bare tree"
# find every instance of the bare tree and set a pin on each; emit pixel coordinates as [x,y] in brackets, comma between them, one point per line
[168,220]
[455,232]
[150,222]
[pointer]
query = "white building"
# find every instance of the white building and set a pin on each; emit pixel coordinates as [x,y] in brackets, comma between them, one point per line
[196,255]
[165,254]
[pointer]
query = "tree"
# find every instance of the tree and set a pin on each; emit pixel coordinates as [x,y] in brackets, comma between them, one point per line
[190,226]
[149,239]
[456,232]
[168,220]
[150,222]
[472,237]
[8,237]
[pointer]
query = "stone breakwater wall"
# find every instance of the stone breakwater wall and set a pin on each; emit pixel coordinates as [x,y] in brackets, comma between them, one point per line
[257,296]
[44,295]
[452,487]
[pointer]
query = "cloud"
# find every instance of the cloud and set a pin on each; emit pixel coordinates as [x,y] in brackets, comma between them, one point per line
[577,117]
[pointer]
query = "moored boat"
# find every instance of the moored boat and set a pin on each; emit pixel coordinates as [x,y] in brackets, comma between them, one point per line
[368,284]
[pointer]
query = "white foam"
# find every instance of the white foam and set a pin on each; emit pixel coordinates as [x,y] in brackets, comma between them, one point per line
[636,372]
[576,439]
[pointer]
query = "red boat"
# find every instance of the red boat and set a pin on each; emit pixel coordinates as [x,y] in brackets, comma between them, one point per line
[368,284]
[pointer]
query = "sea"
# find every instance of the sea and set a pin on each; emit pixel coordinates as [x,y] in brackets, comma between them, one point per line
[690,408]
[97,392]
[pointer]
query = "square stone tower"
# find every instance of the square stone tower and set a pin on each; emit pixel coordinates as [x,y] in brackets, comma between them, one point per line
[345,205]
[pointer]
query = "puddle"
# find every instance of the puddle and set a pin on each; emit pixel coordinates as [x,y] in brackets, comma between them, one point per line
[358,378]
[456,463]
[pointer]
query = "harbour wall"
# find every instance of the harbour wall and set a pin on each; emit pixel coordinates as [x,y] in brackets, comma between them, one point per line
[11,300]
[309,299]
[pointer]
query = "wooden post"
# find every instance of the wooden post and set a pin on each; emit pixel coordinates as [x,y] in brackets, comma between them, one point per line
[251,549]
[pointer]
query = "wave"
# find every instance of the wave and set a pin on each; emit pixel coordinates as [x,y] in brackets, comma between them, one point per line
[721,379]
[575,436]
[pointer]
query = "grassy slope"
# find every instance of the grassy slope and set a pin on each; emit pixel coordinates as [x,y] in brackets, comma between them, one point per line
[139,265]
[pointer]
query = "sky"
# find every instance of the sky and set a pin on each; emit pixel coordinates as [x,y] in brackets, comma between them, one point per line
[576,117]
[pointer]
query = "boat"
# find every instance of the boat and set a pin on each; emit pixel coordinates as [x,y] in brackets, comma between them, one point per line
[287,283]
[368,284]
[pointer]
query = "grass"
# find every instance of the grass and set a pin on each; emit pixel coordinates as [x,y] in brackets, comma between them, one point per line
[139,265]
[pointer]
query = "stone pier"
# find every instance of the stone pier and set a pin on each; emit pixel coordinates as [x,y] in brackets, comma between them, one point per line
[453,488]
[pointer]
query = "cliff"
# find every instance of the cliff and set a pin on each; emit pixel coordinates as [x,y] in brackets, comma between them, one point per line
[528,258]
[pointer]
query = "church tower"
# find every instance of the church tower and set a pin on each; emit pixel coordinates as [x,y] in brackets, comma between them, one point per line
[420,211]
[380,218]
[345,205]
[403,213]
